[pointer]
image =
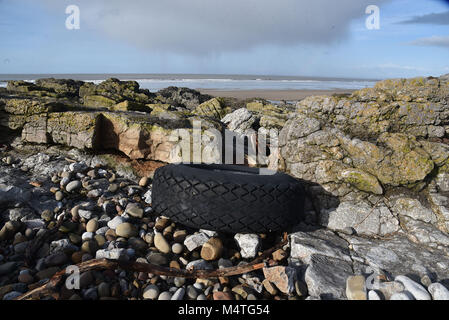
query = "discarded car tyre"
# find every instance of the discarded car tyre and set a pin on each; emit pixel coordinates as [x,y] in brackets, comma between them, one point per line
[227,198]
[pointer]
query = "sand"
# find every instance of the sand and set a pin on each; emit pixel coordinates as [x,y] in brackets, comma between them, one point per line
[276,95]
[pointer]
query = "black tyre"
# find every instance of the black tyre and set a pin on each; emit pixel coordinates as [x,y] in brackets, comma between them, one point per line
[227,198]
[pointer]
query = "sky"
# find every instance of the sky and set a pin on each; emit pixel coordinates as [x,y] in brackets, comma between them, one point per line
[324,38]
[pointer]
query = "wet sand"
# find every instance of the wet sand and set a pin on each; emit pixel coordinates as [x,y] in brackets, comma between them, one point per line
[276,95]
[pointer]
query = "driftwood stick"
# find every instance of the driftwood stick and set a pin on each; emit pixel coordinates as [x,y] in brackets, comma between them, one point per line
[50,287]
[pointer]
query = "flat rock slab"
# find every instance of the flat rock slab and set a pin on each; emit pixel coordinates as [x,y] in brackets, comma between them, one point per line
[326,277]
[399,256]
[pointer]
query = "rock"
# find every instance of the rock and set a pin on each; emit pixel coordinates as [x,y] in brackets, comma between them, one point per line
[177,248]
[239,121]
[126,230]
[179,236]
[355,288]
[151,292]
[143,182]
[279,255]
[195,241]
[12,295]
[47,273]
[249,244]
[114,223]
[9,230]
[56,259]
[399,254]
[438,291]
[7,268]
[92,225]
[304,244]
[104,290]
[212,249]
[362,217]
[73,186]
[134,210]
[373,295]
[199,265]
[161,244]
[179,282]
[86,214]
[401,296]
[269,287]
[417,290]
[388,289]
[326,277]
[191,292]
[242,291]
[62,245]
[179,294]
[112,254]
[282,277]
[166,295]
[157,258]
[218,295]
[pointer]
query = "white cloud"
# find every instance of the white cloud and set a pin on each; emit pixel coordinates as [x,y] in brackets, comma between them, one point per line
[216,26]
[434,41]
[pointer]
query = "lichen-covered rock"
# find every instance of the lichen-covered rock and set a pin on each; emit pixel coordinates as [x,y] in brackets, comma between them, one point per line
[97,101]
[213,108]
[74,129]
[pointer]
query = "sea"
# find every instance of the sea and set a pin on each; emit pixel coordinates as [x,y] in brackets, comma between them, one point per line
[155,82]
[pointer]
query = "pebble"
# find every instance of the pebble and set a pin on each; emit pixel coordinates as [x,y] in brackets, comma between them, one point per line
[249,244]
[92,225]
[179,282]
[7,268]
[199,265]
[212,249]
[282,277]
[143,182]
[166,295]
[219,295]
[12,295]
[373,295]
[401,296]
[86,214]
[59,195]
[73,186]
[269,287]
[179,294]
[47,215]
[191,292]
[417,290]
[438,291]
[161,244]
[179,235]
[201,297]
[355,288]
[151,292]
[134,210]
[177,248]
[195,241]
[113,187]
[114,223]
[126,230]
[390,288]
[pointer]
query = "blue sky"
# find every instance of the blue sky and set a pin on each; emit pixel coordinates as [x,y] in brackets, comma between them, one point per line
[272,37]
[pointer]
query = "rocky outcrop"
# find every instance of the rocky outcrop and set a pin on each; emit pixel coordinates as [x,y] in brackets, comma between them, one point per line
[375,161]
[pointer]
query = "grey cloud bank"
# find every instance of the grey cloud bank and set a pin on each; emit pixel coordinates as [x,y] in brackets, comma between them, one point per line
[433,18]
[216,26]
[435,41]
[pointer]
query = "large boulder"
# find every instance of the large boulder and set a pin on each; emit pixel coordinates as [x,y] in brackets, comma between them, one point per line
[376,159]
